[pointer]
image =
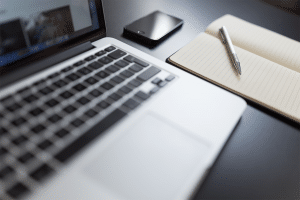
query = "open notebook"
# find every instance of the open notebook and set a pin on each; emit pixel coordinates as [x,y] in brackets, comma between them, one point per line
[270,64]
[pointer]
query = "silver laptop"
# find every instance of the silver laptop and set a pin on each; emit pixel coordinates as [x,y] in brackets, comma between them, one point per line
[84,116]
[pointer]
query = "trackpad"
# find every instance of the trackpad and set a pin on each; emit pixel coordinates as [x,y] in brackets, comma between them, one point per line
[152,160]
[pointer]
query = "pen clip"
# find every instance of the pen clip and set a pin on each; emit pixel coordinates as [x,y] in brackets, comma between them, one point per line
[222,35]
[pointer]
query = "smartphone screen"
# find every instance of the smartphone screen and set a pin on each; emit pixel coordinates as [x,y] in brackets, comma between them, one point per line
[154,26]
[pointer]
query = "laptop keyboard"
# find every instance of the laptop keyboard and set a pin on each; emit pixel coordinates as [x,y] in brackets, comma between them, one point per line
[44,124]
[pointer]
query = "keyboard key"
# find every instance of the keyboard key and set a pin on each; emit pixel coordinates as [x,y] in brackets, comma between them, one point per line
[67,69]
[107,86]
[130,103]
[142,95]
[95,65]
[19,140]
[91,81]
[135,83]
[149,73]
[142,63]
[66,80]
[77,122]
[111,48]
[162,84]
[53,75]
[122,63]
[6,171]
[133,59]
[17,122]
[89,136]
[35,112]
[129,58]
[52,103]
[105,60]
[3,131]
[23,90]
[60,83]
[7,99]
[102,74]
[66,94]
[62,133]
[84,71]
[73,77]
[103,104]
[45,144]
[42,172]
[38,129]
[170,78]
[100,53]
[156,81]
[31,98]
[117,54]
[54,118]
[117,79]
[40,82]
[125,89]
[113,68]
[3,151]
[135,68]
[83,100]
[17,190]
[115,96]
[90,113]
[46,91]
[95,93]
[79,63]
[90,58]
[26,157]
[154,90]
[79,87]
[121,93]
[127,73]
[69,109]
[13,107]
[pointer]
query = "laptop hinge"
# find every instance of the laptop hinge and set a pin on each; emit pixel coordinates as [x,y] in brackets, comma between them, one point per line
[41,65]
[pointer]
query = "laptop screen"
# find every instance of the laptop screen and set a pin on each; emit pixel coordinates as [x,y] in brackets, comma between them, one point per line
[30,26]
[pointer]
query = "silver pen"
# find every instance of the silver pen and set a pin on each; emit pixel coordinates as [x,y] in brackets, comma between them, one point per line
[227,41]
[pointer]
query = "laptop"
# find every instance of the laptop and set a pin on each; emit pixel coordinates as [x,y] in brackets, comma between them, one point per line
[85,116]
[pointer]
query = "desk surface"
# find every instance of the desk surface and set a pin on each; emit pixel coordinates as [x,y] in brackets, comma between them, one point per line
[261,160]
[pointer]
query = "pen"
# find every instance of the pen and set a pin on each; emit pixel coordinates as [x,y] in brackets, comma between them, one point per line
[227,41]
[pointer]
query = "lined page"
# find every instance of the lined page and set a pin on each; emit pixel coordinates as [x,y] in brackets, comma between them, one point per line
[262,81]
[260,41]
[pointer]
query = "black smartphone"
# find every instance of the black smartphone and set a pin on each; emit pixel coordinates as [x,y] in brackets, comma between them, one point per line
[153,28]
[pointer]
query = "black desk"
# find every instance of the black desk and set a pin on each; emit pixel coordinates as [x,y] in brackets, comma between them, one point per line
[261,160]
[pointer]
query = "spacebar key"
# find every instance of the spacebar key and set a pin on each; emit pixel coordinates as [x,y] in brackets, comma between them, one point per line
[90,135]
[149,73]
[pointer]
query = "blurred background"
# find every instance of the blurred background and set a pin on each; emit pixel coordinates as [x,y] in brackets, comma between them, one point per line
[292,6]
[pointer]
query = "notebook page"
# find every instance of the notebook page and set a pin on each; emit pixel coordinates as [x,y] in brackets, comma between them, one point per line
[260,41]
[262,81]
